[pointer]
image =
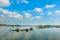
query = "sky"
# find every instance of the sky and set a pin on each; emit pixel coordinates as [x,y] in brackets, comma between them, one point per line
[30,12]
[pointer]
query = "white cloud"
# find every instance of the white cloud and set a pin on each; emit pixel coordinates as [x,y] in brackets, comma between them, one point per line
[1,9]
[49,6]
[24,1]
[50,13]
[27,15]
[15,15]
[4,3]
[5,11]
[38,10]
[10,14]
[57,12]
[2,18]
[37,17]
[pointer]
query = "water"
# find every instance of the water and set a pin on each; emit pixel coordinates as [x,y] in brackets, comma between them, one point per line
[36,34]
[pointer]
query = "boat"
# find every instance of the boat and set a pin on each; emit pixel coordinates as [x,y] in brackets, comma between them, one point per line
[17,30]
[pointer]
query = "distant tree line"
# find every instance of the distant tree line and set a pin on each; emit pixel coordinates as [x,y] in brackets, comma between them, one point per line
[8,25]
[48,26]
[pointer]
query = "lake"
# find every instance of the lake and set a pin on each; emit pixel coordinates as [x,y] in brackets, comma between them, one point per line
[35,34]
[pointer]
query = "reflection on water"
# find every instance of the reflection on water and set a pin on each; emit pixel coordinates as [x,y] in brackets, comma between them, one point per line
[35,34]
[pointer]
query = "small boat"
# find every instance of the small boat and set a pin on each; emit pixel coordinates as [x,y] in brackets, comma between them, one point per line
[30,29]
[17,30]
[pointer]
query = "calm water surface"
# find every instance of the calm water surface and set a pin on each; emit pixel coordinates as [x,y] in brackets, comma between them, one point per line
[36,34]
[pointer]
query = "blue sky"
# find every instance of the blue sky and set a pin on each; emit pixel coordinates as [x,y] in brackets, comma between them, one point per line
[30,12]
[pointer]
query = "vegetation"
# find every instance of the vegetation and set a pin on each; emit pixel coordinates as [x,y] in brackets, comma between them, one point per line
[8,25]
[48,26]
[39,26]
